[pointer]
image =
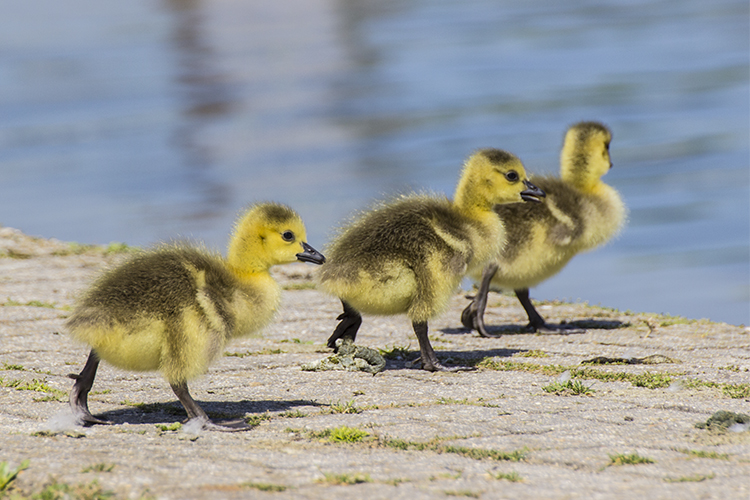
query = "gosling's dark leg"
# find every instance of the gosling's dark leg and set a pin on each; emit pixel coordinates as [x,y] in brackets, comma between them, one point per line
[473,316]
[427,354]
[195,412]
[350,321]
[536,322]
[79,394]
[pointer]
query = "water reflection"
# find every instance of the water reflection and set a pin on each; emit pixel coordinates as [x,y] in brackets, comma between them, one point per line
[204,97]
[151,119]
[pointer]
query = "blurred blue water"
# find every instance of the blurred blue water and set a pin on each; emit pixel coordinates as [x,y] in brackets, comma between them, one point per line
[146,120]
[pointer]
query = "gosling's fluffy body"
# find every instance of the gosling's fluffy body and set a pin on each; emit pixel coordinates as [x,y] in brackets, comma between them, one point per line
[409,255]
[542,242]
[175,308]
[579,213]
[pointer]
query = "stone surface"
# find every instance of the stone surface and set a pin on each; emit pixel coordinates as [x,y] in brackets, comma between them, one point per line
[567,441]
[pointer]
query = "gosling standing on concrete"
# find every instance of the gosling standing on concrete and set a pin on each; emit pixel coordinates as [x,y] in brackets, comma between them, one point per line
[579,213]
[409,255]
[175,308]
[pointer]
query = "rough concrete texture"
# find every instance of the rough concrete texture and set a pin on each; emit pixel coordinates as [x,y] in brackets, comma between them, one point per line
[458,431]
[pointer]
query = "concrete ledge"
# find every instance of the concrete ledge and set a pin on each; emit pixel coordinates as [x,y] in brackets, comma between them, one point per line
[490,433]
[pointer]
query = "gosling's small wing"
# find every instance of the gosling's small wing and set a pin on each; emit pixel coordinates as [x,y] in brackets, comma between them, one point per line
[407,231]
[156,284]
[558,218]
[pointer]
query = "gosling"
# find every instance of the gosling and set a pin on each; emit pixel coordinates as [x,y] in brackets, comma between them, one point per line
[580,213]
[409,255]
[175,308]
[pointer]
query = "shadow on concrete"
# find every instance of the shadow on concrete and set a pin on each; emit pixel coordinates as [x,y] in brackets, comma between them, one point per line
[586,324]
[165,413]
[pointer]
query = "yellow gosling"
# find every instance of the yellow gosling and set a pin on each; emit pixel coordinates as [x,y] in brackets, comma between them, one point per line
[409,255]
[175,308]
[579,213]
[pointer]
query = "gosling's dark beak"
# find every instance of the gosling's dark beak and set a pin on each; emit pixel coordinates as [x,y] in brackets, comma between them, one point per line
[310,255]
[532,193]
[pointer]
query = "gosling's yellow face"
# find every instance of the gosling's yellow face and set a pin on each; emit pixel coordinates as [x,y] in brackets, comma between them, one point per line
[270,234]
[502,177]
[286,241]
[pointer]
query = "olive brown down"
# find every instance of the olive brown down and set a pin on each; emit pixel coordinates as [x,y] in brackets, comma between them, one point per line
[175,308]
[579,213]
[408,256]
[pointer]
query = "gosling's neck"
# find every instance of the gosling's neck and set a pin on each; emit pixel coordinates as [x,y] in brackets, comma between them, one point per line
[490,231]
[468,200]
[246,264]
[583,171]
[593,187]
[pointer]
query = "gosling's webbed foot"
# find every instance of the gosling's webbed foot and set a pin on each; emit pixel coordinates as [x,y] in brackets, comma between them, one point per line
[79,394]
[473,320]
[427,353]
[226,426]
[436,366]
[80,408]
[198,417]
[473,316]
[551,329]
[350,321]
[469,315]
[453,369]
[84,417]
[537,323]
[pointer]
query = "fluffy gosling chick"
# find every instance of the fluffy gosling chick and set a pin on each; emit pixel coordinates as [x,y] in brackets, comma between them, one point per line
[579,213]
[175,308]
[409,255]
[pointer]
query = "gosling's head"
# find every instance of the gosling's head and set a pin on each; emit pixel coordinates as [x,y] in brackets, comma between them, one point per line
[268,234]
[494,176]
[584,158]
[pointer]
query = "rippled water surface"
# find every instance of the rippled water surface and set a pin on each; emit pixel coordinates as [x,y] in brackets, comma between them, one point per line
[145,120]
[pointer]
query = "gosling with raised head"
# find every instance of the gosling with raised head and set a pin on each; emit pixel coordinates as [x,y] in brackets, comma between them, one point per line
[579,213]
[175,308]
[409,255]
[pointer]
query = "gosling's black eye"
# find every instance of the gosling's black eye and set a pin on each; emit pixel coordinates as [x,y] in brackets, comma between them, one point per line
[512,176]
[288,236]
